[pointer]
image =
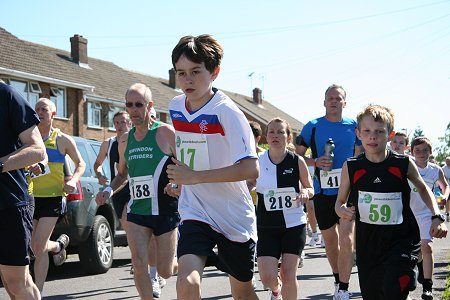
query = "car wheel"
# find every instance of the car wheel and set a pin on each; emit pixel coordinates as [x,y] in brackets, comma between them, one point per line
[96,253]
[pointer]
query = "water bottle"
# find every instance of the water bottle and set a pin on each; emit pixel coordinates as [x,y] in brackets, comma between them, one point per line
[329,152]
[439,199]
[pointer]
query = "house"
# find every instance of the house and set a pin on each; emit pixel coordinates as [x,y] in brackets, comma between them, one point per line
[88,91]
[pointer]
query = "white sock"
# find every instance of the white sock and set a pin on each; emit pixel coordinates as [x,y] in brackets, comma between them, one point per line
[153,273]
[58,247]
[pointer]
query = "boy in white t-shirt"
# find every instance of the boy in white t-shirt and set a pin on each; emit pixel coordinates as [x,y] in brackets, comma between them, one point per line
[446,169]
[433,176]
[215,156]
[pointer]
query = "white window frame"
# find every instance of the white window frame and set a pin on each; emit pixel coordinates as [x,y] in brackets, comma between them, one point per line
[30,96]
[55,92]
[111,111]
[168,119]
[94,108]
[34,87]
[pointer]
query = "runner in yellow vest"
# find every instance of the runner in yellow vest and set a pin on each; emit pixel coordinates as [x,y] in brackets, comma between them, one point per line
[49,191]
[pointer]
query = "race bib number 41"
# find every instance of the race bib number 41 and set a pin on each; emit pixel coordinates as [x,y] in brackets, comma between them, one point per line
[280,199]
[141,187]
[330,179]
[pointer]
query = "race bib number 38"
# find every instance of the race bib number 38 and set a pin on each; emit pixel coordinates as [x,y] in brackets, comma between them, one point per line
[280,199]
[380,208]
[141,187]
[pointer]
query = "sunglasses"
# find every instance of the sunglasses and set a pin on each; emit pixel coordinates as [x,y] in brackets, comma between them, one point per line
[137,104]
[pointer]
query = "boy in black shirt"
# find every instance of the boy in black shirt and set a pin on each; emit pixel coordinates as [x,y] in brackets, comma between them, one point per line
[375,183]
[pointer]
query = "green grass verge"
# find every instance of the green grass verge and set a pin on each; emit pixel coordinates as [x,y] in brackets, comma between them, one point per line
[446,294]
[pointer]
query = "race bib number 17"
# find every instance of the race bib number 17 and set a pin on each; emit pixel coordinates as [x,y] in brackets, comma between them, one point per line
[192,149]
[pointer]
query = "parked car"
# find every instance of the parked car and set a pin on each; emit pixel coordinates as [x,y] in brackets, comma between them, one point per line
[93,230]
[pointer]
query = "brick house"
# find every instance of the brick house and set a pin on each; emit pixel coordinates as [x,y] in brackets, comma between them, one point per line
[88,91]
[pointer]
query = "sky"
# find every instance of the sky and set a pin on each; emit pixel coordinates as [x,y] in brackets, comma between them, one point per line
[393,53]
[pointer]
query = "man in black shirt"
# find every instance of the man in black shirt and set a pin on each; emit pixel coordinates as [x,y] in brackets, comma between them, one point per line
[21,146]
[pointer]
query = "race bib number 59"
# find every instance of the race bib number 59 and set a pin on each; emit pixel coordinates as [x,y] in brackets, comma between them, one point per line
[380,208]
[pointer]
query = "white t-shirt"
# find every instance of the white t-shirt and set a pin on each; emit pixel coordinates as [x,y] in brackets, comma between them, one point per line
[215,136]
[430,174]
[446,170]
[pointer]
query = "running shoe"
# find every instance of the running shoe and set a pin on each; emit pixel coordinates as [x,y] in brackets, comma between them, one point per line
[343,295]
[427,295]
[162,282]
[156,288]
[336,291]
[314,239]
[302,259]
[60,257]
[309,231]
[254,286]
[275,296]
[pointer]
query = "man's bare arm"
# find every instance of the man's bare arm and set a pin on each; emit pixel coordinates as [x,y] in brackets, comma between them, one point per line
[32,151]
[121,178]
[102,154]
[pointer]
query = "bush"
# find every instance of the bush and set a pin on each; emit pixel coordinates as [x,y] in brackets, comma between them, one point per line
[446,294]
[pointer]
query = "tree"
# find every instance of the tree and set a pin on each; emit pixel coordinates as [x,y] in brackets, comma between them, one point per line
[443,150]
[417,132]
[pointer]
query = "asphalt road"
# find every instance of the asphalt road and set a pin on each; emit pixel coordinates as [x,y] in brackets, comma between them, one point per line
[315,279]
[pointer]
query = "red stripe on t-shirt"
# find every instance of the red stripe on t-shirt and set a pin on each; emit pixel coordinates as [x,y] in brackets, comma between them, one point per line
[195,127]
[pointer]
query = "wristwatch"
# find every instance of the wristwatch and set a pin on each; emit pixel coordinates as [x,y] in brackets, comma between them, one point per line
[1,166]
[438,216]
[42,167]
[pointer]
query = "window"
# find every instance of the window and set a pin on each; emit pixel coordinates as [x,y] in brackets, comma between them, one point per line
[94,114]
[111,112]
[35,87]
[105,164]
[58,96]
[26,91]
[168,119]
[85,155]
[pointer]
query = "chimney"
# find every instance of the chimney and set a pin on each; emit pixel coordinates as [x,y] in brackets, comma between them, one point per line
[78,49]
[257,96]
[172,80]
